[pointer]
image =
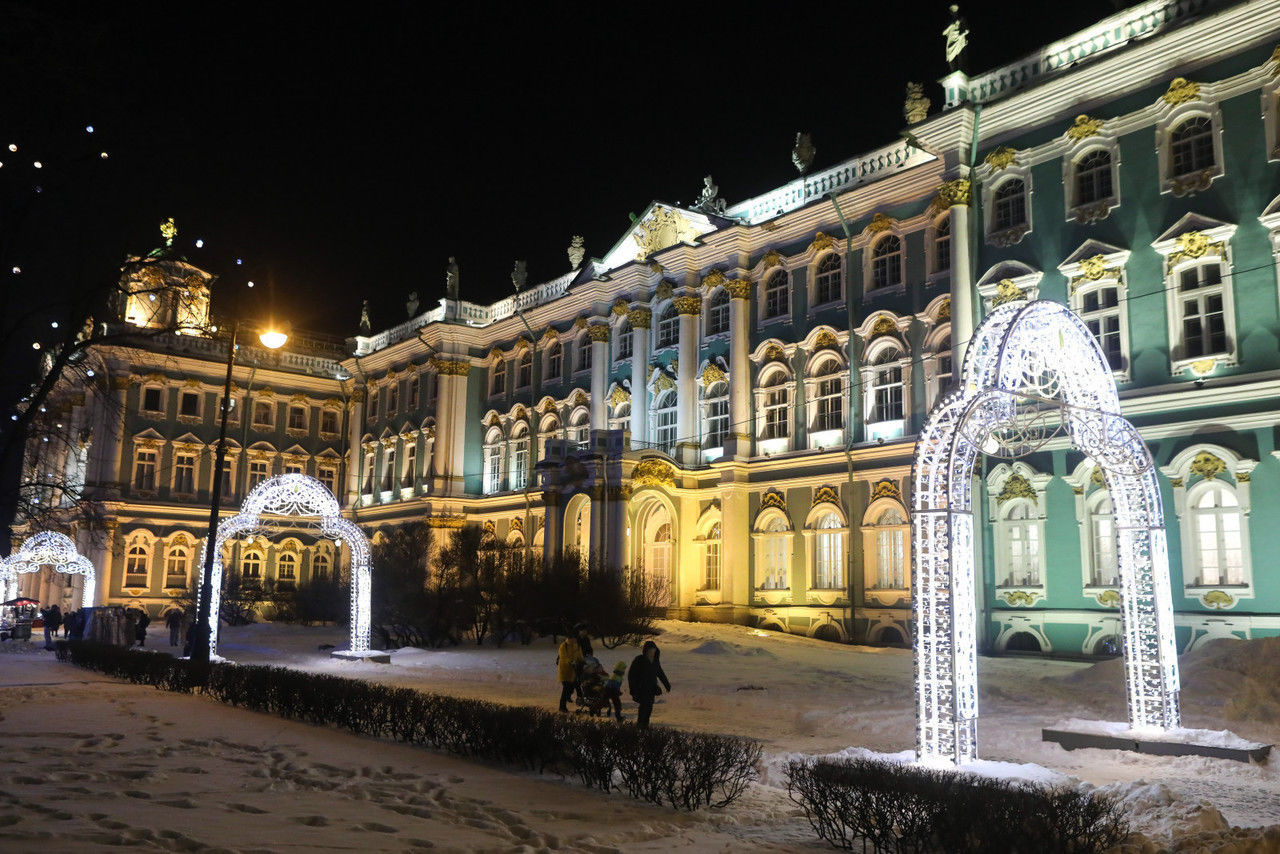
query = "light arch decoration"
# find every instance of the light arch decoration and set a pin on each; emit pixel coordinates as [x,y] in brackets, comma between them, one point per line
[289,502]
[1032,372]
[48,548]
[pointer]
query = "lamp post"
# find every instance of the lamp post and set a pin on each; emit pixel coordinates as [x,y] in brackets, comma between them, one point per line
[271,339]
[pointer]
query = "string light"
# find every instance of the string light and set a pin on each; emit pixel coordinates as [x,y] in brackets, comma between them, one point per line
[35,345]
[49,548]
[17,270]
[89,372]
[54,324]
[13,146]
[88,129]
[38,164]
[103,155]
[250,284]
[199,243]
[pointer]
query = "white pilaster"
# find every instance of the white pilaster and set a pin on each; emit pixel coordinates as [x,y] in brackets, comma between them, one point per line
[640,319]
[354,451]
[962,320]
[599,334]
[688,442]
[738,442]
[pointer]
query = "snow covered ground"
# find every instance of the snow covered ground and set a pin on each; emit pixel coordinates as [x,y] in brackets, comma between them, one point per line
[108,764]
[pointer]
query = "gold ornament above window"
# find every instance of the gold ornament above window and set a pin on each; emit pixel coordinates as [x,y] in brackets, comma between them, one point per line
[619,396]
[1002,158]
[1181,90]
[944,311]
[515,524]
[772,258]
[712,280]
[1006,292]
[774,353]
[1207,465]
[883,326]
[598,332]
[826,495]
[1085,127]
[881,222]
[822,242]
[653,472]
[619,307]
[1016,486]
[826,340]
[886,489]
[711,375]
[773,498]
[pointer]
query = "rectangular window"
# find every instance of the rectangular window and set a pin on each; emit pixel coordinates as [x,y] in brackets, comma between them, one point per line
[888,395]
[829,562]
[1100,311]
[367,483]
[775,563]
[776,422]
[555,362]
[263,413]
[258,472]
[226,480]
[189,404]
[830,405]
[184,474]
[393,398]
[711,566]
[297,418]
[718,316]
[584,355]
[413,393]
[625,345]
[717,422]
[389,470]
[667,427]
[891,559]
[1204,331]
[293,468]
[328,477]
[329,422]
[775,296]
[410,464]
[520,466]
[144,471]
[373,404]
[493,471]
[153,400]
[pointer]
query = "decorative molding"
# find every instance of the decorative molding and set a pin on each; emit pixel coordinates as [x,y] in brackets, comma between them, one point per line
[619,307]
[450,367]
[490,527]
[944,311]
[619,396]
[739,288]
[774,353]
[1193,245]
[881,222]
[495,353]
[1006,292]
[578,398]
[640,318]
[516,523]
[447,521]
[1109,598]
[712,374]
[664,227]
[822,242]
[1218,599]
[950,194]
[653,472]
[826,495]
[826,340]
[1085,127]
[713,279]
[1181,90]
[1207,465]
[579,323]
[688,305]
[886,489]
[884,325]
[771,259]
[1016,486]
[1009,236]
[598,332]
[1021,598]
[664,291]
[1002,158]
[773,498]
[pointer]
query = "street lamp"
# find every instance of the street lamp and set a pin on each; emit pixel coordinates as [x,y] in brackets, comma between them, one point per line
[272,339]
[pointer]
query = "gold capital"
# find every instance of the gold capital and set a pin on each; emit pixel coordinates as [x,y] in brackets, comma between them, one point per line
[688,305]
[739,288]
[598,332]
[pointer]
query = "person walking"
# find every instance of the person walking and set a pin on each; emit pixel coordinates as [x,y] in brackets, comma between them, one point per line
[173,622]
[567,669]
[642,680]
[140,627]
[52,622]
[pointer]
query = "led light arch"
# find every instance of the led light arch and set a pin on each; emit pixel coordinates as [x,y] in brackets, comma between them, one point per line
[1033,371]
[48,548]
[291,501]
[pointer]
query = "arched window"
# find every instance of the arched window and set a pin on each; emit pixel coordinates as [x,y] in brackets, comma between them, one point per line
[942,244]
[1191,147]
[498,376]
[827,391]
[1103,559]
[711,559]
[716,412]
[773,552]
[886,550]
[1010,205]
[584,353]
[388,469]
[626,345]
[410,464]
[287,567]
[658,559]
[519,456]
[366,486]
[251,565]
[621,419]
[886,262]
[718,313]
[555,361]
[320,566]
[1216,524]
[524,375]
[668,327]
[775,294]
[579,428]
[664,411]
[493,461]
[177,563]
[828,285]
[547,430]
[1021,552]
[886,388]
[137,564]
[1093,177]
[828,552]
[775,411]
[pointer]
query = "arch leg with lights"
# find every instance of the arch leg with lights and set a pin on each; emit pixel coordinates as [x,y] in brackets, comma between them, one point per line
[48,548]
[1032,372]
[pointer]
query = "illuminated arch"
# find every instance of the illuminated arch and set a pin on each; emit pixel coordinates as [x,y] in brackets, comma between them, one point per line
[48,548]
[296,495]
[1012,399]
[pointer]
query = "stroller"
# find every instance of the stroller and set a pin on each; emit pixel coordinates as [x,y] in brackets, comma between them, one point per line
[592,677]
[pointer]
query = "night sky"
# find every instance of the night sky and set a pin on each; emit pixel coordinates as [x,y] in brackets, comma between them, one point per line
[347,157]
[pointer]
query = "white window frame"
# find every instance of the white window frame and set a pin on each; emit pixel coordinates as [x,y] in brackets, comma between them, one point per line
[666,420]
[524,369]
[666,331]
[933,236]
[774,431]
[498,377]
[265,473]
[626,345]
[873,534]
[582,354]
[1077,209]
[194,457]
[172,556]
[892,259]
[717,306]
[1179,361]
[715,408]
[519,450]
[781,275]
[899,358]
[328,477]
[295,408]
[826,367]
[145,544]
[147,484]
[1195,181]
[772,535]
[337,421]
[270,423]
[938,354]
[555,361]
[492,473]
[711,559]
[192,417]
[1010,234]
[142,400]
[829,543]
[821,277]
[999,516]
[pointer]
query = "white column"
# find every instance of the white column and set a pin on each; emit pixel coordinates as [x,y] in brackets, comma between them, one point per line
[640,319]
[688,444]
[109,470]
[599,334]
[355,453]
[451,425]
[738,443]
[956,194]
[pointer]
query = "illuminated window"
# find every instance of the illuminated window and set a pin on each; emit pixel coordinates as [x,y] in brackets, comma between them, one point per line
[297,418]
[888,552]
[718,313]
[177,563]
[263,413]
[1010,205]
[144,470]
[393,398]
[1103,557]
[775,294]
[711,559]
[626,345]
[413,392]
[137,565]
[942,244]
[258,472]
[287,567]
[1201,310]
[388,469]
[328,477]
[153,400]
[1191,147]
[366,485]
[886,391]
[410,464]
[498,377]
[493,461]
[519,457]
[773,539]
[827,388]
[251,565]
[716,408]
[668,327]
[665,421]
[828,552]
[184,474]
[1019,559]
[776,407]
[886,262]
[1099,308]
[329,422]
[1217,546]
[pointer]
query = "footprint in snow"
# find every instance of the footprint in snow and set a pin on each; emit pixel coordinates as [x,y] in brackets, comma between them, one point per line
[312,820]
[377,828]
[246,808]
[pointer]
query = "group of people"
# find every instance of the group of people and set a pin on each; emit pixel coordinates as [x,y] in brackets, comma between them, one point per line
[119,626]
[642,678]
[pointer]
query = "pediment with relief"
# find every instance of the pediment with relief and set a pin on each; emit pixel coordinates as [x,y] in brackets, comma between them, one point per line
[660,227]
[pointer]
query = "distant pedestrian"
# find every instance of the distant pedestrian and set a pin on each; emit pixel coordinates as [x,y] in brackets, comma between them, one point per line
[67,620]
[642,680]
[567,669]
[52,622]
[140,627]
[173,621]
[611,693]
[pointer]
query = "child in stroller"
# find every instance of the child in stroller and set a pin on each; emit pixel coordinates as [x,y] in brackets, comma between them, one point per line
[591,679]
[610,693]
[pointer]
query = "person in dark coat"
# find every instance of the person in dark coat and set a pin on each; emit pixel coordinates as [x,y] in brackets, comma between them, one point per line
[642,680]
[140,627]
[52,622]
[173,622]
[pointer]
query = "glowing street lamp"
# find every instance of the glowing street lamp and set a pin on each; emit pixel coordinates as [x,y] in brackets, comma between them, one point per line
[272,339]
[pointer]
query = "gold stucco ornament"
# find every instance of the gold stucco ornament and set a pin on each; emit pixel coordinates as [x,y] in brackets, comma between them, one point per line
[1016,486]
[1002,158]
[1085,127]
[1007,292]
[1207,465]
[653,472]
[1181,90]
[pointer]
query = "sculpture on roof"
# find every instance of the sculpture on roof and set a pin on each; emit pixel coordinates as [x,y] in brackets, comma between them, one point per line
[365,325]
[803,153]
[519,274]
[577,251]
[710,202]
[957,37]
[451,280]
[412,305]
[916,107]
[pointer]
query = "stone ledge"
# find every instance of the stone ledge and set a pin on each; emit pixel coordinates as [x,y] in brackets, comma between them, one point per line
[1155,746]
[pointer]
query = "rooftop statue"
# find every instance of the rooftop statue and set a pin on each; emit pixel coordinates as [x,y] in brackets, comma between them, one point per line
[412,305]
[519,274]
[803,153]
[916,108]
[957,41]
[451,280]
[365,325]
[710,202]
[577,251]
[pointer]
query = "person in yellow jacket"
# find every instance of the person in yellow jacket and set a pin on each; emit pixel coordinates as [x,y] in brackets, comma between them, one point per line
[567,669]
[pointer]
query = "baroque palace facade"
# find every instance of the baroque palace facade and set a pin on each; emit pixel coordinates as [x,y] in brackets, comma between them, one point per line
[729,397]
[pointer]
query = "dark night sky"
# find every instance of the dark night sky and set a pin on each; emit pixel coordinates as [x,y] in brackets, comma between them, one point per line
[346,157]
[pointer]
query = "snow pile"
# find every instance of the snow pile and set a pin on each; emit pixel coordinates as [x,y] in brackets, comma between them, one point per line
[1157,811]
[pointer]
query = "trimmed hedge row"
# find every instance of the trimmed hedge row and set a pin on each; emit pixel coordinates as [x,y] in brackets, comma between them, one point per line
[912,810]
[684,770]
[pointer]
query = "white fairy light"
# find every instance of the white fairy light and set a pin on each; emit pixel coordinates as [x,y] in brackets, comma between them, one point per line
[250,284]
[89,372]
[13,147]
[199,243]
[103,155]
[1014,358]
[35,345]
[38,164]
[17,270]
[54,324]
[88,128]
[47,548]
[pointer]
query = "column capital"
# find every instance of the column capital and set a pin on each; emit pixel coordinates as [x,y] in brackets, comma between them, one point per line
[951,194]
[739,288]
[640,318]
[598,332]
[688,305]
[450,367]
